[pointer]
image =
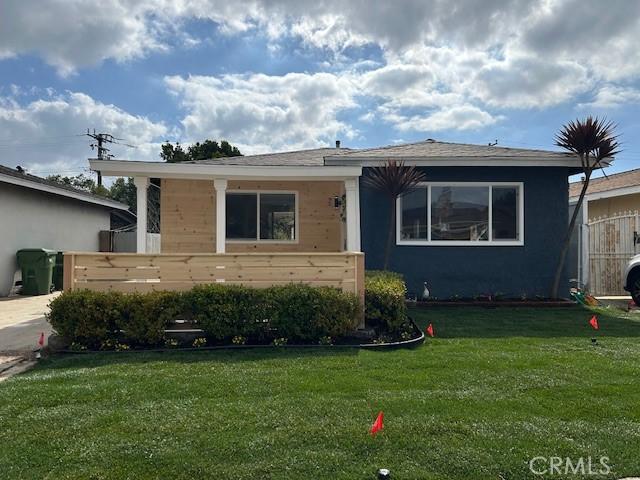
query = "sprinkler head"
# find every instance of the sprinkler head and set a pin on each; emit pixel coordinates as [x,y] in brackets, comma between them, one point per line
[383,474]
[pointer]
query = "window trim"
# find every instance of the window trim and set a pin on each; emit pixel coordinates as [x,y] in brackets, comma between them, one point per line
[465,243]
[258,239]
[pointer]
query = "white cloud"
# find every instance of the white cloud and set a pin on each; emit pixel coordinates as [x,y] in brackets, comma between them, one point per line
[45,135]
[261,112]
[611,96]
[529,82]
[463,117]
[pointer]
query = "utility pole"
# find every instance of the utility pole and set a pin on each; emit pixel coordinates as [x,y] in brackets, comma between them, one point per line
[103,152]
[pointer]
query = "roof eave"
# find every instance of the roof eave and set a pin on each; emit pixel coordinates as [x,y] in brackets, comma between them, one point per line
[43,187]
[130,168]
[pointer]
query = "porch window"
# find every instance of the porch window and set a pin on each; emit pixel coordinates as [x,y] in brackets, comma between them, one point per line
[462,213]
[261,216]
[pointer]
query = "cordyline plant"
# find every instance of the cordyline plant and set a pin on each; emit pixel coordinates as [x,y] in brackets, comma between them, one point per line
[393,179]
[594,141]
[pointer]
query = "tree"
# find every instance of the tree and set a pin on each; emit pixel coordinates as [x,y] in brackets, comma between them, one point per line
[198,151]
[593,141]
[123,190]
[393,179]
[81,182]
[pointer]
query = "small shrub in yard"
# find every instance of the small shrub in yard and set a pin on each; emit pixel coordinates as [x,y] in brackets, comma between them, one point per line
[86,317]
[385,306]
[146,315]
[224,311]
[199,342]
[279,342]
[239,340]
[303,313]
[171,343]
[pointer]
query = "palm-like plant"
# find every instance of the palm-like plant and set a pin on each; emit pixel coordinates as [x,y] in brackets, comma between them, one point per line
[593,140]
[393,179]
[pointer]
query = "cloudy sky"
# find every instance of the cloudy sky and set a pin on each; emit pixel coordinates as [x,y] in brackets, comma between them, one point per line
[283,74]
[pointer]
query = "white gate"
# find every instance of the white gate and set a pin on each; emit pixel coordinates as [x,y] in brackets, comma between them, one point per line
[612,242]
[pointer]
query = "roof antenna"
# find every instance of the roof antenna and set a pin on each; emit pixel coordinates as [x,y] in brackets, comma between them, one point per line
[490,144]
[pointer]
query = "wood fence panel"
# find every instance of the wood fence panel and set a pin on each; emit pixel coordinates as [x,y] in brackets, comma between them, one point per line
[126,272]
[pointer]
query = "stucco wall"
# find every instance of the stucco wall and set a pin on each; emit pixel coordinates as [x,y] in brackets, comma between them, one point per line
[609,207]
[29,218]
[473,270]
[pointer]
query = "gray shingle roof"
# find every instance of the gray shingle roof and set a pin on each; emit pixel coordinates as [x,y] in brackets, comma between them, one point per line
[432,148]
[313,157]
[43,181]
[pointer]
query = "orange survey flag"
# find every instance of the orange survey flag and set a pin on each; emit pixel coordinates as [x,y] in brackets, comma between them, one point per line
[377,425]
[41,339]
[594,322]
[430,330]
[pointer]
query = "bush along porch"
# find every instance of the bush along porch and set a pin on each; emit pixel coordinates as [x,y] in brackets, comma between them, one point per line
[218,314]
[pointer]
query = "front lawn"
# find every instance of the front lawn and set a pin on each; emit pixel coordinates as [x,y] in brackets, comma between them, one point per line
[494,389]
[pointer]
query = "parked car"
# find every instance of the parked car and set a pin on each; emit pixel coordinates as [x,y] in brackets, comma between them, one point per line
[632,278]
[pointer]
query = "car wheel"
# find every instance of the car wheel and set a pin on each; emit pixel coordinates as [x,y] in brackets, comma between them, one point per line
[634,287]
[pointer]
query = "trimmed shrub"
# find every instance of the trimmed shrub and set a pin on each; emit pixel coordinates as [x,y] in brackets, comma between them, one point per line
[146,315]
[385,307]
[304,313]
[297,312]
[224,311]
[86,317]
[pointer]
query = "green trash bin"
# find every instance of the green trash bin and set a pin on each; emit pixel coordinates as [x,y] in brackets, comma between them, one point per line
[58,271]
[37,270]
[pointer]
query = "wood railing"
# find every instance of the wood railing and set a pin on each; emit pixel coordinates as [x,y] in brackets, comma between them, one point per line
[131,272]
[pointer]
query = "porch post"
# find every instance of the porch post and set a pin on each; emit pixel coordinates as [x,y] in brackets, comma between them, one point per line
[220,185]
[142,184]
[353,214]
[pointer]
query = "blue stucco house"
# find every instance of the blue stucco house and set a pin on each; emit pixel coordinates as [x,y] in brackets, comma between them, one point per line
[487,220]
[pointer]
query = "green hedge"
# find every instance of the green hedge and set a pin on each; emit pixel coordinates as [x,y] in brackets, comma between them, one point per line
[385,307]
[296,312]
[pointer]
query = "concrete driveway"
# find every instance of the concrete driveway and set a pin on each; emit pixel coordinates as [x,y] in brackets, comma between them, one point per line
[21,322]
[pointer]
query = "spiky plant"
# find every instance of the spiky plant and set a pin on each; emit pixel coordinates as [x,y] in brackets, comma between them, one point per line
[393,179]
[594,141]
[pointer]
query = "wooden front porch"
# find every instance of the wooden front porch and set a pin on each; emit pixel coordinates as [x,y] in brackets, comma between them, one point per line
[131,272]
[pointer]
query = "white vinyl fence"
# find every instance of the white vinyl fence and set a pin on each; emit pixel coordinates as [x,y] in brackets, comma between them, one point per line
[612,242]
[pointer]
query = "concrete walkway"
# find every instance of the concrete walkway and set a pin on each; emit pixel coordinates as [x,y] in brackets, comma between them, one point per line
[21,322]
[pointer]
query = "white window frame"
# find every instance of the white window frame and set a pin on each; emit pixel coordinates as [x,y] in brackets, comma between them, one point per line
[465,243]
[257,194]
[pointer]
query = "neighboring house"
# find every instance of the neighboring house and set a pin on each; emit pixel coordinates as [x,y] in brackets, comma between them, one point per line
[488,220]
[38,213]
[606,230]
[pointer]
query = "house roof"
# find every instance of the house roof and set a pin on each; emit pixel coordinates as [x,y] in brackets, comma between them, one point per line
[432,150]
[332,163]
[15,177]
[313,157]
[617,181]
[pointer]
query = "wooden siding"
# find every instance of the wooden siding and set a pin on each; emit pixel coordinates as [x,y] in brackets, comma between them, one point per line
[126,272]
[188,216]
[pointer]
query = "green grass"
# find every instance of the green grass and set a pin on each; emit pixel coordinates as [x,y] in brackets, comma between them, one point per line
[492,390]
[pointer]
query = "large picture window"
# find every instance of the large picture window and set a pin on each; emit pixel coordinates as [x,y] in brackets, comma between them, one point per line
[461,213]
[261,216]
